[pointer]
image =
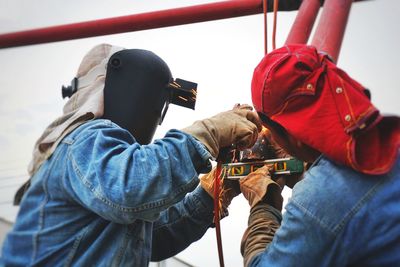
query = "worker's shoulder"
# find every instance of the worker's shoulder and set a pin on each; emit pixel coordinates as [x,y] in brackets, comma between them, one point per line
[95,124]
[95,127]
[333,193]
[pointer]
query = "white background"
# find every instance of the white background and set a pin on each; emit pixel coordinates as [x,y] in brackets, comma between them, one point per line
[220,56]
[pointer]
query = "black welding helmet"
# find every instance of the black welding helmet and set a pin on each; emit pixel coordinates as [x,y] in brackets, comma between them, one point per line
[138,89]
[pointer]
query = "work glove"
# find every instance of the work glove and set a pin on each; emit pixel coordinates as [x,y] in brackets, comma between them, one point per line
[279,152]
[239,126]
[264,196]
[228,190]
[259,187]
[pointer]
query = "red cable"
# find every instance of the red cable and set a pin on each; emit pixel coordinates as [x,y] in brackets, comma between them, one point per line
[265,8]
[216,213]
[276,3]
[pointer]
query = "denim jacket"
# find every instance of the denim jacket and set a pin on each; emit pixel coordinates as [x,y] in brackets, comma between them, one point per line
[339,217]
[104,200]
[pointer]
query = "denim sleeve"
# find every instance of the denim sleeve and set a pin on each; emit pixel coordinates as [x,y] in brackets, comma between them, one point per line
[182,224]
[300,241]
[121,180]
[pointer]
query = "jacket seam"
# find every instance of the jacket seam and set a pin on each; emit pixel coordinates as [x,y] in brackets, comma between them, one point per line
[42,206]
[199,146]
[122,249]
[199,210]
[314,218]
[75,246]
[339,226]
[367,196]
[86,130]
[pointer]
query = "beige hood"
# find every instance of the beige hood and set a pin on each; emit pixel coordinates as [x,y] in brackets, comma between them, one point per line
[84,105]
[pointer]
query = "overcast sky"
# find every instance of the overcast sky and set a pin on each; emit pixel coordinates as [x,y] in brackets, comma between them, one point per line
[220,56]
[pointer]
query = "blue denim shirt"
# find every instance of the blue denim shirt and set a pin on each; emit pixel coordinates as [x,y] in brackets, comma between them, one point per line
[104,200]
[339,217]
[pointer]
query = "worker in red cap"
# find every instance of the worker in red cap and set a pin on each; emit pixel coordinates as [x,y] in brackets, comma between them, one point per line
[345,211]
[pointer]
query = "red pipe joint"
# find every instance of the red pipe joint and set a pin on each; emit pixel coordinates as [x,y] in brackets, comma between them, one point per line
[329,34]
[304,22]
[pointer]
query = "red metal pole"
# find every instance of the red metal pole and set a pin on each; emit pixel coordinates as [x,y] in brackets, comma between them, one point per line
[304,22]
[329,34]
[136,22]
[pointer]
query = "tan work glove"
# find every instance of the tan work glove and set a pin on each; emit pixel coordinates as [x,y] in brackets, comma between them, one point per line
[279,152]
[258,186]
[239,126]
[228,190]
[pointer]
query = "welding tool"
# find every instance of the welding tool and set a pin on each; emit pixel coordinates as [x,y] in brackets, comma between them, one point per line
[264,152]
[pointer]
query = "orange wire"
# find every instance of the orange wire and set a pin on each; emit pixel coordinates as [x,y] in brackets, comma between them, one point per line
[217,179]
[276,3]
[265,8]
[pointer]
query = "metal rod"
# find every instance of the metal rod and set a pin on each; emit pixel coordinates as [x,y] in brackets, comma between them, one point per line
[329,34]
[304,22]
[135,22]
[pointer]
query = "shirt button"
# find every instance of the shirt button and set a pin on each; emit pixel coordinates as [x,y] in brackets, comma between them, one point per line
[309,86]
[339,90]
[347,117]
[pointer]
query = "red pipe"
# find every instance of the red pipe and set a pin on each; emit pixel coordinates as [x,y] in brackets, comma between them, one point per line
[329,34]
[304,22]
[135,22]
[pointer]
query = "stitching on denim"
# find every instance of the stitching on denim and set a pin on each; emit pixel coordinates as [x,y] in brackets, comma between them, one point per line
[358,206]
[83,135]
[145,206]
[336,229]
[75,246]
[314,218]
[198,204]
[63,179]
[306,211]
[42,205]
[204,154]
[87,127]
[117,260]
[156,204]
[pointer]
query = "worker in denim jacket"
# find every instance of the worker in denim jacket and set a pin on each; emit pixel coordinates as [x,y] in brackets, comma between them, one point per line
[345,211]
[100,193]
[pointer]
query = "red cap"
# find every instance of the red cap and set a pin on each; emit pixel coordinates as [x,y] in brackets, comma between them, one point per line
[320,105]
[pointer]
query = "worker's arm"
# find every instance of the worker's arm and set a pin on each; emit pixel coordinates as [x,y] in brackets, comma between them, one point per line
[188,220]
[182,224]
[265,200]
[121,180]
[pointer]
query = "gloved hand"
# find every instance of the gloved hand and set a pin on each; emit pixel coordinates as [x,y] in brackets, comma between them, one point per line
[229,189]
[259,187]
[239,126]
[279,152]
